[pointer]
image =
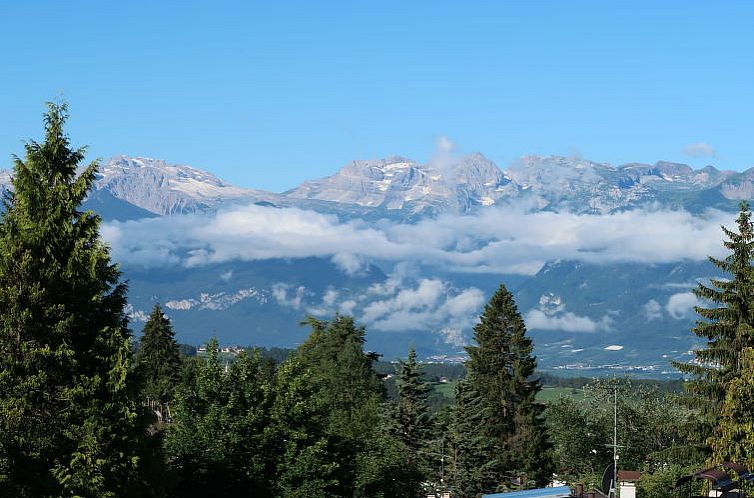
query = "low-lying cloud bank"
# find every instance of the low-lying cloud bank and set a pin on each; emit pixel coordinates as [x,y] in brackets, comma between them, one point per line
[495,240]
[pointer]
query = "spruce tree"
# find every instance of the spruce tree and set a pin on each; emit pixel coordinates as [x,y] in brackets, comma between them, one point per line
[412,421]
[474,466]
[727,329]
[500,371]
[66,407]
[735,432]
[349,387]
[158,361]
[412,414]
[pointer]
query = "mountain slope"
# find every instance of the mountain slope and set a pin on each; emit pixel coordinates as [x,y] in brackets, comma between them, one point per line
[163,188]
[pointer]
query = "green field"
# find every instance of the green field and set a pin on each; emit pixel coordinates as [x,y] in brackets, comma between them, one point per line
[447,389]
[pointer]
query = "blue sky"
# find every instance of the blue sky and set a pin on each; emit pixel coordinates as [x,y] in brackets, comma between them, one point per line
[267,94]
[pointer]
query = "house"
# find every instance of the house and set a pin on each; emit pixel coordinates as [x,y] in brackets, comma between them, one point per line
[627,483]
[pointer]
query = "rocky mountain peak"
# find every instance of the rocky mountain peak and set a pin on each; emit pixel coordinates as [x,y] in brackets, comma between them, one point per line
[163,188]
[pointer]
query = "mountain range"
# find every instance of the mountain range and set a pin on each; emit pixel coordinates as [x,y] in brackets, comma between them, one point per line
[401,188]
[584,315]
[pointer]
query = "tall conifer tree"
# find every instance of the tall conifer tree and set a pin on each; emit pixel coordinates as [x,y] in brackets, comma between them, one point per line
[158,360]
[727,328]
[66,410]
[349,387]
[412,421]
[500,371]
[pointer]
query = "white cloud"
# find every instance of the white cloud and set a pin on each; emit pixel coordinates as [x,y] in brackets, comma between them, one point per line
[327,306]
[681,305]
[652,310]
[453,336]
[567,322]
[444,145]
[429,304]
[699,149]
[423,297]
[329,297]
[347,307]
[350,264]
[226,276]
[495,240]
[280,292]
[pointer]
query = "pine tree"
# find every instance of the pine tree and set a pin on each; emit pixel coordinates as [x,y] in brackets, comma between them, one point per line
[735,441]
[412,415]
[500,370]
[412,421]
[727,328]
[158,361]
[66,408]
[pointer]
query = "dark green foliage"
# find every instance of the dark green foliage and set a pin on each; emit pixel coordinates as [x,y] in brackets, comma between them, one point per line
[412,422]
[349,388]
[501,391]
[727,328]
[217,444]
[579,436]
[158,360]
[67,415]
[475,466]
[187,350]
[650,422]
[735,431]
[668,386]
[305,465]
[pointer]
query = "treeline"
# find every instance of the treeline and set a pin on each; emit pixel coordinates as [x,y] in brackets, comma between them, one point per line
[84,412]
[662,385]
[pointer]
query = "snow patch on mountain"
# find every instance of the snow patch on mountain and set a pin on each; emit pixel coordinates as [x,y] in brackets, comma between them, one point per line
[218,301]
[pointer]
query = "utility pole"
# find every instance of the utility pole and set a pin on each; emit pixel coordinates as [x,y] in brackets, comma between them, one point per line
[613,491]
[615,443]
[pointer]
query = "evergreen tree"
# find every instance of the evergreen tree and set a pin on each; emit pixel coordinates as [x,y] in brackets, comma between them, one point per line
[349,387]
[412,421]
[304,465]
[727,328]
[474,464]
[500,371]
[158,361]
[735,432]
[66,408]
[217,443]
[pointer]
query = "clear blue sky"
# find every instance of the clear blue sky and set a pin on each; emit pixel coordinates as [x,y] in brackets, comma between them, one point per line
[267,94]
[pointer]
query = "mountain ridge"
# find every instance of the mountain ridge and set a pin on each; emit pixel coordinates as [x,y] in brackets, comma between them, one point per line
[400,187]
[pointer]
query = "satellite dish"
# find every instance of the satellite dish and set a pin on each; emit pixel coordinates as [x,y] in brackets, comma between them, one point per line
[607,479]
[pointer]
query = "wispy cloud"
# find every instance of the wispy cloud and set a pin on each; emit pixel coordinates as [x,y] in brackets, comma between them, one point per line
[652,310]
[699,149]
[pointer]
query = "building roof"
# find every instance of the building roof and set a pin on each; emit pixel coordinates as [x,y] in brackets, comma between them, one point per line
[559,492]
[628,475]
